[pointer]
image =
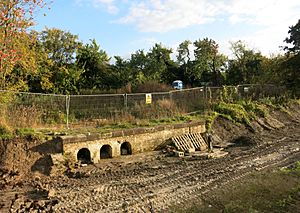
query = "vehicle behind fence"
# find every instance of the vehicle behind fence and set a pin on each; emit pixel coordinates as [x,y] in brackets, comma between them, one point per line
[20,109]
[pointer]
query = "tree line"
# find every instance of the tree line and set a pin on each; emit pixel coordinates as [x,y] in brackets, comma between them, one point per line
[56,61]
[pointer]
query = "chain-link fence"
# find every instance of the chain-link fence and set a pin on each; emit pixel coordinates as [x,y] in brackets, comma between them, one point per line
[19,109]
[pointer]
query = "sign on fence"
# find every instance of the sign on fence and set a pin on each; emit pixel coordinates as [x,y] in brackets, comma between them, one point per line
[148,98]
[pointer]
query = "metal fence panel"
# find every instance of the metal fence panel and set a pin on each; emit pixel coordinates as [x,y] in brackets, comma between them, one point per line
[21,109]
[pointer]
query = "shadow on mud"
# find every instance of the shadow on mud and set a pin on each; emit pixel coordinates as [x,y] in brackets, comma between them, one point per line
[43,165]
[49,147]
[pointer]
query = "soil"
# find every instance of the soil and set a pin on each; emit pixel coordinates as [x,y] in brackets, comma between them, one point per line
[147,182]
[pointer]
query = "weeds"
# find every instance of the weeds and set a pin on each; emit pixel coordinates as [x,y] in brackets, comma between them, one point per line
[5,131]
[233,112]
[277,191]
[209,120]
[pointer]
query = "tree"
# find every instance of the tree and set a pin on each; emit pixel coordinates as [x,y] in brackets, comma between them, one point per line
[245,67]
[208,62]
[184,53]
[95,63]
[61,46]
[15,18]
[293,39]
[138,64]
[272,70]
[184,61]
[158,62]
[291,67]
[61,49]
[122,75]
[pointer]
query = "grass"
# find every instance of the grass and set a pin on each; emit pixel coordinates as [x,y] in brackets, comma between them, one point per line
[275,191]
[240,112]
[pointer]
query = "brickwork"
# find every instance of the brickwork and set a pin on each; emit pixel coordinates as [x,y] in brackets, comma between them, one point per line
[140,140]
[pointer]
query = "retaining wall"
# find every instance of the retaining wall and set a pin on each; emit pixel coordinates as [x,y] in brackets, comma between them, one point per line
[140,139]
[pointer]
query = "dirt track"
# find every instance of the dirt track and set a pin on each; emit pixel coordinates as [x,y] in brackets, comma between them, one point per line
[152,182]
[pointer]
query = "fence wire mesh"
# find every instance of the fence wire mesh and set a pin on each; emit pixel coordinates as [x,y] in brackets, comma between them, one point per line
[19,109]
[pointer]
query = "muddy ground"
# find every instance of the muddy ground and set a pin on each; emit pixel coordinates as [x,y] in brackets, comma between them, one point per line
[148,182]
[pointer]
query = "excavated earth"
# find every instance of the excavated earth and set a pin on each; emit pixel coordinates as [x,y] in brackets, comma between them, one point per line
[147,182]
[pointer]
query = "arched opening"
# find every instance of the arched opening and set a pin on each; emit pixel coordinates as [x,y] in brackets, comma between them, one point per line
[105,152]
[84,155]
[126,148]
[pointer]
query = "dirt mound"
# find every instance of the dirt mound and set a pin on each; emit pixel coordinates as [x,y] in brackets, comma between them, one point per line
[17,155]
[227,131]
[246,141]
[243,135]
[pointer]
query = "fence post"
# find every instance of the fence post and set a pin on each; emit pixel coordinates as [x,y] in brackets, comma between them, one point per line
[171,96]
[125,101]
[67,109]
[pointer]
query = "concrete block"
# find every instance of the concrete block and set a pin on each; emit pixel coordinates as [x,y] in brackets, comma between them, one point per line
[178,154]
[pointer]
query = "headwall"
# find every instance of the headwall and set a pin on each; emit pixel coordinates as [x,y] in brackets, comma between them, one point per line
[94,147]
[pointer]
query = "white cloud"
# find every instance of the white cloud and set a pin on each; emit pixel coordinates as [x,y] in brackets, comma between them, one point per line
[163,16]
[271,17]
[108,4]
[166,15]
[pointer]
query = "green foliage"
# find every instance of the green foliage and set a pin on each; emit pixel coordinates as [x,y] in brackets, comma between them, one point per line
[280,103]
[242,112]
[291,170]
[58,72]
[61,46]
[208,62]
[209,120]
[246,67]
[229,94]
[235,112]
[28,133]
[293,39]
[291,65]
[95,63]
[255,109]
[5,131]
[290,74]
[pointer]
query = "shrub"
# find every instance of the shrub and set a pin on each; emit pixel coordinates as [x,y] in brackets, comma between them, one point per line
[152,86]
[236,112]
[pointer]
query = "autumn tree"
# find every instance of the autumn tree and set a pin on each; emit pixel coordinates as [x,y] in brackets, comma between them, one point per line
[62,72]
[16,16]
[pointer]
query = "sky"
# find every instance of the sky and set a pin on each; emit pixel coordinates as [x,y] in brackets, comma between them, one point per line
[122,27]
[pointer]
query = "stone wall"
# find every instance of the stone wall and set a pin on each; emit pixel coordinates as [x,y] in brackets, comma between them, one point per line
[140,140]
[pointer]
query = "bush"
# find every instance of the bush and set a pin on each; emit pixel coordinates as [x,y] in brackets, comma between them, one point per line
[152,86]
[160,109]
[233,112]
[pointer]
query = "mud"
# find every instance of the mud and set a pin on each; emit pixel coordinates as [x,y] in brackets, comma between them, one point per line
[154,182]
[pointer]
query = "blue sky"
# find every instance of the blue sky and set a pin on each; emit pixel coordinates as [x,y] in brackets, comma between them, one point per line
[123,26]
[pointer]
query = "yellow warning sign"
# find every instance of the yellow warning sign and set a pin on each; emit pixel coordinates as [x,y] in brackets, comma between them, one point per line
[148,98]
